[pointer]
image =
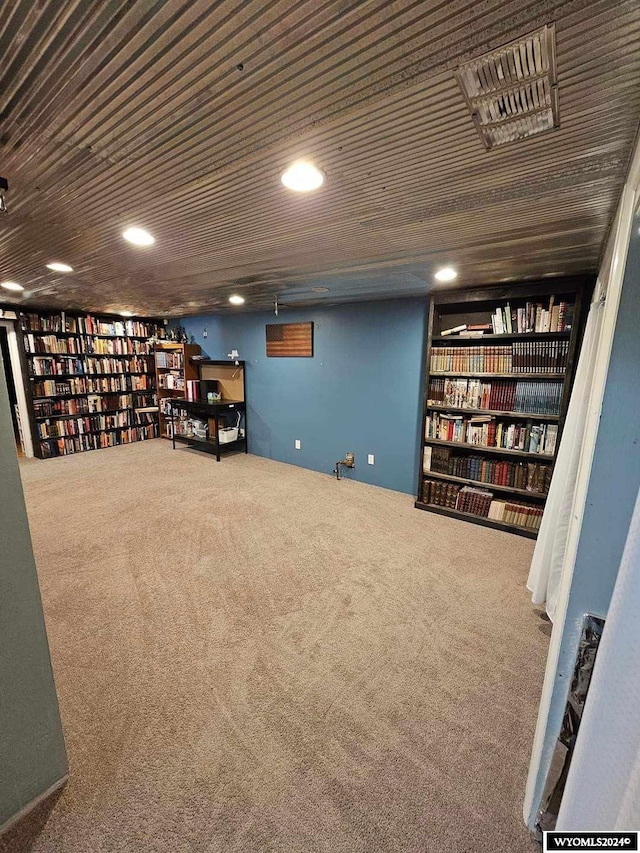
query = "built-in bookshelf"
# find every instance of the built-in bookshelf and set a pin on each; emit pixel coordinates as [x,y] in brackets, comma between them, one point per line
[91,380]
[499,365]
[176,376]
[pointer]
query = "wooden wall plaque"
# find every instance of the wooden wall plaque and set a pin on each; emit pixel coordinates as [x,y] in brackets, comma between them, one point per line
[289,340]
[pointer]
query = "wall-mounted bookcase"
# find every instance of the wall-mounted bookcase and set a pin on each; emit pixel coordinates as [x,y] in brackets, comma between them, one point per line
[176,377]
[499,368]
[90,380]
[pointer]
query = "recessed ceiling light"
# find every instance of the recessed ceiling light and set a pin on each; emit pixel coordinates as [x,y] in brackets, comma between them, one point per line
[11,285]
[446,274]
[236,300]
[126,313]
[139,237]
[320,289]
[302,177]
[56,266]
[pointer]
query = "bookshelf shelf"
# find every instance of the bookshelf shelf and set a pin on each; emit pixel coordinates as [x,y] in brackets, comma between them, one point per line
[134,333]
[453,373]
[42,333]
[490,486]
[229,445]
[86,394]
[43,376]
[89,432]
[454,340]
[79,355]
[435,407]
[477,519]
[481,448]
[56,417]
[531,369]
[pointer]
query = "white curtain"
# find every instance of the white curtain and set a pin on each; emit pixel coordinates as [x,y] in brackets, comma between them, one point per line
[603,786]
[548,556]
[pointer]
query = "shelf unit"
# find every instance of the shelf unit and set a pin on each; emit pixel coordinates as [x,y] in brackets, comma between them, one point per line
[542,362]
[226,379]
[173,359]
[97,408]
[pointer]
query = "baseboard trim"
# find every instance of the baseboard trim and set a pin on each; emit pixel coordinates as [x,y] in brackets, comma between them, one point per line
[24,811]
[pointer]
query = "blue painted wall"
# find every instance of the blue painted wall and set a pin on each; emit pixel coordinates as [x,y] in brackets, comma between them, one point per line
[611,496]
[32,752]
[360,392]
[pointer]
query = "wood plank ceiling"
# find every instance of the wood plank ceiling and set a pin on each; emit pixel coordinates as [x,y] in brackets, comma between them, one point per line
[178,116]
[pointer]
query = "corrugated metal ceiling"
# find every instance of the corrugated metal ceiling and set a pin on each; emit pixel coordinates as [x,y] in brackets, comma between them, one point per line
[179,116]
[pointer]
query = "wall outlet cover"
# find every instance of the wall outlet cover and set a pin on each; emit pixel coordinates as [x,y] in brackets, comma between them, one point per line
[371,459]
[298,444]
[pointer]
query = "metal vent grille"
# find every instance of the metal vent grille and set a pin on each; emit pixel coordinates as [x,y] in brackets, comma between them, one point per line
[512,92]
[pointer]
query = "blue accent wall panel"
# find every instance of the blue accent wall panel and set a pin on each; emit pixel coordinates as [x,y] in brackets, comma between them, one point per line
[360,392]
[32,752]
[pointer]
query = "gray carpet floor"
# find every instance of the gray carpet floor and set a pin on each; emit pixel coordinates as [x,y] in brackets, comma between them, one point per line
[254,657]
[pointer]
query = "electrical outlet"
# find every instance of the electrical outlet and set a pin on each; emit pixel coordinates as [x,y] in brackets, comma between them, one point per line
[298,444]
[371,459]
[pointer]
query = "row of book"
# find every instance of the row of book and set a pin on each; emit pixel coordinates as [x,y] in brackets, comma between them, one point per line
[479,502]
[529,476]
[88,325]
[488,431]
[81,425]
[523,396]
[513,512]
[84,385]
[77,444]
[142,382]
[109,402]
[142,418]
[46,365]
[43,344]
[473,500]
[171,381]
[49,366]
[165,406]
[556,316]
[106,364]
[518,357]
[82,405]
[145,398]
[169,360]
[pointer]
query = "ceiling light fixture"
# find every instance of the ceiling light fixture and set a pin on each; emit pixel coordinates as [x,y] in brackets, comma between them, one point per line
[302,177]
[236,300]
[139,237]
[126,313]
[11,285]
[56,266]
[320,289]
[446,274]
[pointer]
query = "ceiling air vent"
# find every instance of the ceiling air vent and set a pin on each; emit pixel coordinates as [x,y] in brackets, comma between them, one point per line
[512,92]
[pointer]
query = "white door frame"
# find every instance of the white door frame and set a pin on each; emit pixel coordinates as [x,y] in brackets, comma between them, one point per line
[23,408]
[611,279]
